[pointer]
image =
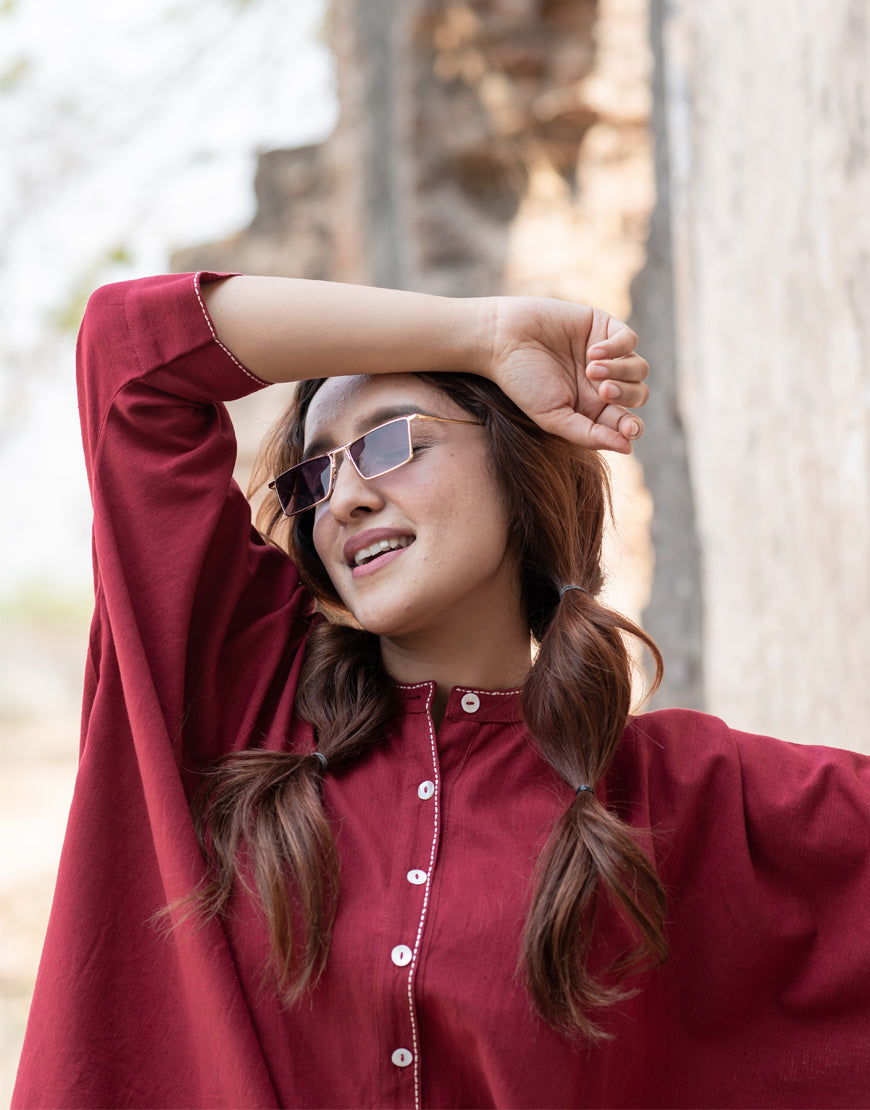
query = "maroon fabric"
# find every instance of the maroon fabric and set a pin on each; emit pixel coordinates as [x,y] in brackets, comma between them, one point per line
[195,650]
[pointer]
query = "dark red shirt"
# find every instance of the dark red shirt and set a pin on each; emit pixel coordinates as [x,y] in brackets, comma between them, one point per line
[195,650]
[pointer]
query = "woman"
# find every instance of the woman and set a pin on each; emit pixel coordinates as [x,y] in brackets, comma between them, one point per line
[430,861]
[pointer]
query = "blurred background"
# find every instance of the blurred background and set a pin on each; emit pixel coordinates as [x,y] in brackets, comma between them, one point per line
[702,168]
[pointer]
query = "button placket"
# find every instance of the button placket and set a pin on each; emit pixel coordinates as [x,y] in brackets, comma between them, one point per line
[427,794]
[424,792]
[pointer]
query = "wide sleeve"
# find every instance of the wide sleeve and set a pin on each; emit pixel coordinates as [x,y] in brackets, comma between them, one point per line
[195,647]
[202,617]
[764,849]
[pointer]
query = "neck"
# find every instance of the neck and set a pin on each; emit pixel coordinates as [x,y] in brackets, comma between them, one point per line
[496,656]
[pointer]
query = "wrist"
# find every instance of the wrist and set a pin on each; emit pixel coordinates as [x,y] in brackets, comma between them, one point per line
[472,330]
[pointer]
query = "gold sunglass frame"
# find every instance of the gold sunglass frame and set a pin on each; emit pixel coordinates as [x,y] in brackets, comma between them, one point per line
[345,448]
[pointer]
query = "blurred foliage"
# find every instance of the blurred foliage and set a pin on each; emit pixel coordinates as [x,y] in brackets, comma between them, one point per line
[67,318]
[323,33]
[42,605]
[14,73]
[8,7]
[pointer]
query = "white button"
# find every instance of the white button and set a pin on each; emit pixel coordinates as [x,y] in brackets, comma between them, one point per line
[417,877]
[402,1057]
[425,790]
[470,703]
[401,955]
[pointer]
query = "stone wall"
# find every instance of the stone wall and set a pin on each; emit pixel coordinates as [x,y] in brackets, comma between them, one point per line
[444,109]
[767,114]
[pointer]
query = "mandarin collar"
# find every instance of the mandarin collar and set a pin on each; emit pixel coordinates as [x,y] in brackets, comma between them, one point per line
[465,703]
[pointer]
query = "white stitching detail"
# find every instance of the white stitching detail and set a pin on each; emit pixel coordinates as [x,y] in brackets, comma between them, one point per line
[468,689]
[413,967]
[214,336]
[491,693]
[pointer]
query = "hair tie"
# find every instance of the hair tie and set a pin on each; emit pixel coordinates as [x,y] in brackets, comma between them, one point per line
[565,589]
[580,789]
[322,758]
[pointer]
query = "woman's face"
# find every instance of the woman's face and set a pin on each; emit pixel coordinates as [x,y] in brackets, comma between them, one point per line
[445,506]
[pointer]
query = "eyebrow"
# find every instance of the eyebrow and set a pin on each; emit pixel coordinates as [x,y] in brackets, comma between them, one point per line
[323,443]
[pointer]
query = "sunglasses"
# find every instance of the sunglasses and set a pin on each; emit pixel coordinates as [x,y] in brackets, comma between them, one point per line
[374,454]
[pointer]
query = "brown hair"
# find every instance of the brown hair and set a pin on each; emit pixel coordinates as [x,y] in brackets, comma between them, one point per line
[260,813]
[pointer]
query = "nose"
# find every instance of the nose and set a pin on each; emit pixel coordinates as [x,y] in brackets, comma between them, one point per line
[352,494]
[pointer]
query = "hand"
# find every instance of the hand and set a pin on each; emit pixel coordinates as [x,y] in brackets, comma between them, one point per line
[573,369]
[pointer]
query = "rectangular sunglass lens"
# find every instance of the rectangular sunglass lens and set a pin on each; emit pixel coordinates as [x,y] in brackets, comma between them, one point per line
[304,485]
[382,449]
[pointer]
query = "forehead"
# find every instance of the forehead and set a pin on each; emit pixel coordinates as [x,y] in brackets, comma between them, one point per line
[346,407]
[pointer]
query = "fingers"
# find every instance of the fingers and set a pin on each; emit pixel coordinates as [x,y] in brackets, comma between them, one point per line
[613,429]
[600,437]
[618,373]
[631,367]
[620,379]
[630,395]
[609,337]
[624,427]
[630,427]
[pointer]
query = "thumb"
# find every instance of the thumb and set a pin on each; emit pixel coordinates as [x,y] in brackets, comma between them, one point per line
[577,428]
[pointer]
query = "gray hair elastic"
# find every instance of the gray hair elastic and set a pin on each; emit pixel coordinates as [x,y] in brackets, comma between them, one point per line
[565,589]
[580,789]
[322,758]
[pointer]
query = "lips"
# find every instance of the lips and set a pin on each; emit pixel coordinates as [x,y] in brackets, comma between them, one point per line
[374,544]
[376,549]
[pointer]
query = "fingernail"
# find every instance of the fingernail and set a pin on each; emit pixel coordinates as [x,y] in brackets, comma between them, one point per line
[596,352]
[632,429]
[612,391]
[596,370]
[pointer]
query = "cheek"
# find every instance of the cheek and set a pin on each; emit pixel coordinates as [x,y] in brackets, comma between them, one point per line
[492,500]
[492,528]
[479,510]
[448,497]
[320,534]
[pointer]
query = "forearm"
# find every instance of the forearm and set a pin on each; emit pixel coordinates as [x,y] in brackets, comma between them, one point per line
[289,329]
[536,350]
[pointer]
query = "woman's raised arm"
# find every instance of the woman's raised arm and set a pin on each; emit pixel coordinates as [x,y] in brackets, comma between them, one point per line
[565,365]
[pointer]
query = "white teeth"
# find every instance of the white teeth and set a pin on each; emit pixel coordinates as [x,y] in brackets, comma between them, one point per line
[379,547]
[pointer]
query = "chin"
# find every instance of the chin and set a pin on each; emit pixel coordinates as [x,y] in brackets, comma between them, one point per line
[384,625]
[394,619]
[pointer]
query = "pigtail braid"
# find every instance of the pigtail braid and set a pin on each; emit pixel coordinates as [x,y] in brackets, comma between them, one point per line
[260,817]
[576,701]
[262,829]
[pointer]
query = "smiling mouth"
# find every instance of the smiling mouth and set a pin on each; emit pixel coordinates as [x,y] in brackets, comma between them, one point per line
[378,548]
